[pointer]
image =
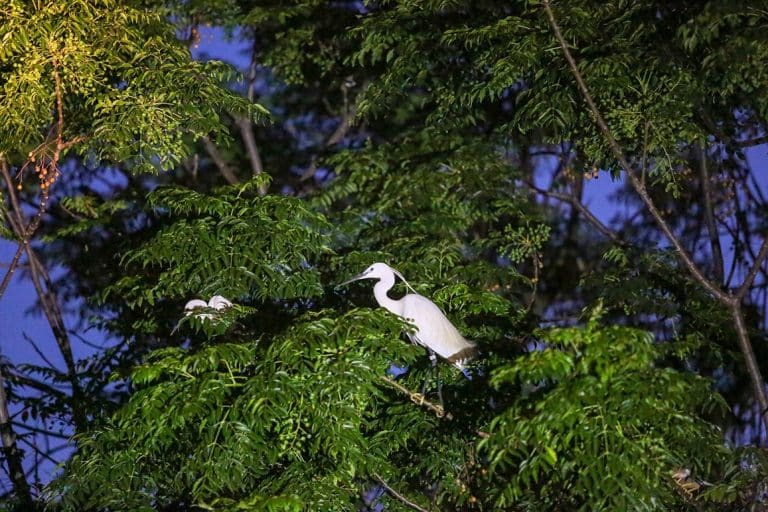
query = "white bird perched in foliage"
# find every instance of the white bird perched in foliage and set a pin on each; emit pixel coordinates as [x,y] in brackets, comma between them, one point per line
[217,302]
[204,311]
[433,330]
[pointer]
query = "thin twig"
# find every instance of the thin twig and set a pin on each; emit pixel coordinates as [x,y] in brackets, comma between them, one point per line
[47,453]
[42,431]
[602,228]
[397,495]
[39,352]
[750,278]
[24,380]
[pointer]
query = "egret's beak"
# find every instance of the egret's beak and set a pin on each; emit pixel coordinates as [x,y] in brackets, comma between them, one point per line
[356,278]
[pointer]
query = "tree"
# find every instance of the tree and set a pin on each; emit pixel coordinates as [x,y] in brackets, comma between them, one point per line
[102,82]
[409,133]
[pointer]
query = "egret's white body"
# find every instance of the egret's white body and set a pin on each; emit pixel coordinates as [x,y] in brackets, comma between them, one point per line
[433,330]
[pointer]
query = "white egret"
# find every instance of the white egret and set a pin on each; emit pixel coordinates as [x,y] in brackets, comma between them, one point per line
[217,302]
[433,330]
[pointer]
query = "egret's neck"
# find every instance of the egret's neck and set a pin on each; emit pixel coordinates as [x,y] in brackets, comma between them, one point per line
[380,292]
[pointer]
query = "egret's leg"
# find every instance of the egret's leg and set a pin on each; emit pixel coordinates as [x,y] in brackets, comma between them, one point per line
[428,376]
[433,358]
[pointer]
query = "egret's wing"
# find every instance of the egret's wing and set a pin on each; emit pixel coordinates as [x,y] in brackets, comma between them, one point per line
[194,304]
[434,330]
[219,302]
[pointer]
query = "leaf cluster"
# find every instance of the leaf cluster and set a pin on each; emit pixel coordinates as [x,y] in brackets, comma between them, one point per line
[129,90]
[598,425]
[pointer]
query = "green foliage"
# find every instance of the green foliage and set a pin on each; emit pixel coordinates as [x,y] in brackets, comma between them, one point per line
[599,426]
[525,241]
[431,200]
[232,243]
[279,402]
[649,66]
[745,480]
[129,90]
[288,417]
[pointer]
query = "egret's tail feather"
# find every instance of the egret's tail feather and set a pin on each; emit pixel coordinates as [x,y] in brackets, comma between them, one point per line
[463,356]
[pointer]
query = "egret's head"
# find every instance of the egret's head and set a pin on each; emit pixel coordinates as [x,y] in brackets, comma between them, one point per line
[379,271]
[375,271]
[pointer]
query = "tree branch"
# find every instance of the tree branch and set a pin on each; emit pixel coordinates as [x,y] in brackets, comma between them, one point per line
[13,456]
[246,131]
[397,495]
[602,228]
[618,153]
[42,431]
[709,218]
[24,380]
[50,306]
[742,334]
[48,174]
[39,352]
[750,278]
[419,399]
[218,160]
[733,302]
[244,124]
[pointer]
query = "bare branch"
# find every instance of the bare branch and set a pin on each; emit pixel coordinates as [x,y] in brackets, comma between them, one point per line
[24,380]
[50,306]
[244,124]
[224,168]
[709,218]
[42,431]
[602,228]
[39,352]
[750,360]
[750,278]
[12,267]
[47,454]
[246,131]
[397,495]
